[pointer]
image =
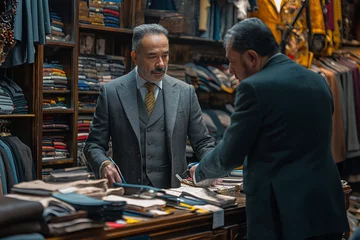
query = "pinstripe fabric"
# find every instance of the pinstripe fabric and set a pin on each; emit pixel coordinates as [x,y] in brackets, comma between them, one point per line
[150,97]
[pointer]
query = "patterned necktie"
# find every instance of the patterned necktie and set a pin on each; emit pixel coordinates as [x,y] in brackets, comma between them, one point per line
[150,97]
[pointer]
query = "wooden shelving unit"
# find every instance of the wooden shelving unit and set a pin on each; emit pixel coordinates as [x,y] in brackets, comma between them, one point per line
[56,91]
[58,111]
[86,110]
[88,92]
[118,43]
[95,28]
[17,116]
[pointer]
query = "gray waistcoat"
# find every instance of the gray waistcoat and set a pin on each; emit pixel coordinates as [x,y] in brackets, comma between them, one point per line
[155,157]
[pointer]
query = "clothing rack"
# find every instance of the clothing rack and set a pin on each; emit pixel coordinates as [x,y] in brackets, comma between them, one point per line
[341,71]
[5,127]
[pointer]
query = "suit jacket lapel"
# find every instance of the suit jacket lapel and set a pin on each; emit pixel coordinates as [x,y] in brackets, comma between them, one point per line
[171,102]
[127,92]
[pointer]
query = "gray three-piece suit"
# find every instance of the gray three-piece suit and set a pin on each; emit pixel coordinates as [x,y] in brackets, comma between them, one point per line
[147,149]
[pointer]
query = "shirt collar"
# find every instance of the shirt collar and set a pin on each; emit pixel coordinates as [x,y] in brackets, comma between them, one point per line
[140,81]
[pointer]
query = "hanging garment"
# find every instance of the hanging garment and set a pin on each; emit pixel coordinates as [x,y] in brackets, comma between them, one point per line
[297,43]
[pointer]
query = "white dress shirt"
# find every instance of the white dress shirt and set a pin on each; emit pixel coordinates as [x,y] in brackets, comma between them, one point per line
[143,89]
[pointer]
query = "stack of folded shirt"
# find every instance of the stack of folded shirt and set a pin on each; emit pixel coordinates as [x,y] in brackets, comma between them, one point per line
[6,103]
[54,76]
[84,12]
[57,27]
[87,74]
[54,124]
[211,78]
[117,65]
[112,14]
[16,94]
[54,103]
[84,123]
[109,67]
[54,148]
[87,102]
[177,71]
[96,15]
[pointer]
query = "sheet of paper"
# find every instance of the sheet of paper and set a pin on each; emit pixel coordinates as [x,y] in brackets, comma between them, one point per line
[218,214]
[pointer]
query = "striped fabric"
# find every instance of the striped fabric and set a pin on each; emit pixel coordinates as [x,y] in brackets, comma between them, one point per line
[150,97]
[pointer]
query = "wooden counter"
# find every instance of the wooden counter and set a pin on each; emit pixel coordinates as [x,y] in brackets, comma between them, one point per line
[181,225]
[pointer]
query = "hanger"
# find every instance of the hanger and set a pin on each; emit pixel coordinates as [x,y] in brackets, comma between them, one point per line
[5,127]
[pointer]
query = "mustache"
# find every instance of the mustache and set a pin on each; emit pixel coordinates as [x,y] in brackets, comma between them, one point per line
[159,70]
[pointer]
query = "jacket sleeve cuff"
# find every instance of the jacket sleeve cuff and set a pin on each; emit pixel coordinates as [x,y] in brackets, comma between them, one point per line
[103,164]
[200,180]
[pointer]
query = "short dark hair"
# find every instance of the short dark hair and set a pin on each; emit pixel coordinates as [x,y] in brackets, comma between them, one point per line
[146,29]
[252,34]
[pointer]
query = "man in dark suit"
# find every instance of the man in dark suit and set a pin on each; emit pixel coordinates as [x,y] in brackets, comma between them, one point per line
[282,125]
[148,116]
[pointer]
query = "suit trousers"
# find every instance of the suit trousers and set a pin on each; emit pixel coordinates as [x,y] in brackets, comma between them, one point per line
[331,236]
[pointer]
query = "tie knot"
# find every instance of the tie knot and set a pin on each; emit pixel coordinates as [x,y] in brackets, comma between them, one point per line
[150,86]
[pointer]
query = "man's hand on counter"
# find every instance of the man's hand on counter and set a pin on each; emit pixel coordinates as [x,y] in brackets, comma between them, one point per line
[110,172]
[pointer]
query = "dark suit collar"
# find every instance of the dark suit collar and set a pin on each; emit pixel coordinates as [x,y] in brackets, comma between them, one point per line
[280,58]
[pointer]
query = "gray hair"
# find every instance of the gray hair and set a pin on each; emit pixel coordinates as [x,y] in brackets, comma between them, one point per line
[146,29]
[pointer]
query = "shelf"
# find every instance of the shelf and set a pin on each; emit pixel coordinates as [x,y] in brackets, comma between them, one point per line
[191,39]
[56,91]
[175,38]
[54,111]
[89,92]
[53,43]
[58,161]
[17,115]
[87,110]
[54,130]
[104,29]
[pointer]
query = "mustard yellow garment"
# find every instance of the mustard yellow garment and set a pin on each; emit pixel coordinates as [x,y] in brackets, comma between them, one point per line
[297,43]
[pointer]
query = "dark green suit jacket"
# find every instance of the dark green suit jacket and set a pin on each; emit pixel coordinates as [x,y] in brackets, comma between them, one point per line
[282,123]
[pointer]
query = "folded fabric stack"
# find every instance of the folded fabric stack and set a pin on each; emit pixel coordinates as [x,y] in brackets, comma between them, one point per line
[54,148]
[211,78]
[11,89]
[84,12]
[68,175]
[54,124]
[112,13]
[87,102]
[57,27]
[97,209]
[53,216]
[109,67]
[177,71]
[84,123]
[54,103]
[96,15]
[54,76]
[87,74]
[216,121]
[6,103]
